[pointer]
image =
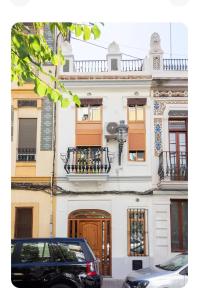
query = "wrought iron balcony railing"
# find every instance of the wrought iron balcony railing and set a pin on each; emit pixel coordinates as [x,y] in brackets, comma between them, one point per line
[26,154]
[175,64]
[173,166]
[90,160]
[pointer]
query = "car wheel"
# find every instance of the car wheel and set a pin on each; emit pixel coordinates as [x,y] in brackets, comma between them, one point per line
[60,285]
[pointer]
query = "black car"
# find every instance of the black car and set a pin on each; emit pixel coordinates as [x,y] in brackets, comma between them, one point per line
[54,263]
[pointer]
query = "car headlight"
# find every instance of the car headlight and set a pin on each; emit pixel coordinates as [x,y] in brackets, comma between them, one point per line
[138,283]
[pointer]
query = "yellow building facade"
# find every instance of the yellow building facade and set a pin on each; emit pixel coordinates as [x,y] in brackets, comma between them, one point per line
[32,160]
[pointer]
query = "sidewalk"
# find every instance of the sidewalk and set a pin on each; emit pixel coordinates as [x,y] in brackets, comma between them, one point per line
[112,283]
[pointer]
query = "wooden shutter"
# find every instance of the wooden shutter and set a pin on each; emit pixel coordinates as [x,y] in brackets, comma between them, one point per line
[136,101]
[89,101]
[137,141]
[89,134]
[88,140]
[27,133]
[23,222]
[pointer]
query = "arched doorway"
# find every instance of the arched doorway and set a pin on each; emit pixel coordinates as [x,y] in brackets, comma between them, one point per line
[95,226]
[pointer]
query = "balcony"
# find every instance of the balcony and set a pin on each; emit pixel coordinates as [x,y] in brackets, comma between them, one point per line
[175,64]
[173,168]
[96,66]
[26,154]
[92,161]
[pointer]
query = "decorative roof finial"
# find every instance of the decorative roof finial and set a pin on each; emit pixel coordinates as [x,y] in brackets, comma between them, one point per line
[114,48]
[155,44]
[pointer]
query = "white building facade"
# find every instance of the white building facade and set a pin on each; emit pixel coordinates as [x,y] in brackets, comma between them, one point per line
[121,158]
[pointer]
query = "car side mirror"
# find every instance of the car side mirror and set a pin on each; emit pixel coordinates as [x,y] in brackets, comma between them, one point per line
[184,272]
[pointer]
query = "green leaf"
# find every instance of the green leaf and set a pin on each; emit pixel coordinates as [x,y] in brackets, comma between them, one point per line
[35,44]
[96,31]
[65,103]
[55,60]
[40,88]
[78,30]
[76,100]
[55,94]
[87,33]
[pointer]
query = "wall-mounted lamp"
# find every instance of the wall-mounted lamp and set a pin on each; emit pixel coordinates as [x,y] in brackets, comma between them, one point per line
[122,131]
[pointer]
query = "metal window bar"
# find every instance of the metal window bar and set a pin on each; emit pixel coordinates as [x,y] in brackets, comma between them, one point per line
[138,232]
[26,154]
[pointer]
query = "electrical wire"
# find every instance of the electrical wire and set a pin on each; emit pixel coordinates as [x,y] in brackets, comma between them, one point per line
[103,47]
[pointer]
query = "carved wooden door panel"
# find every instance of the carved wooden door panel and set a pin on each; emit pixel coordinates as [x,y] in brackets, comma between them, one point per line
[91,231]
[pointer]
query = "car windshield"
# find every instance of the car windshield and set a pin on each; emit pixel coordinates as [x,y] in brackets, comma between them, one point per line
[175,263]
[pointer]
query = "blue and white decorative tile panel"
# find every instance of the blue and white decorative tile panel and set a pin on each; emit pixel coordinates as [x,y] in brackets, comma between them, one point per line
[158,135]
[159,107]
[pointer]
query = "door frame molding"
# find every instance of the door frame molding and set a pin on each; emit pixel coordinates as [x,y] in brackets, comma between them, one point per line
[91,215]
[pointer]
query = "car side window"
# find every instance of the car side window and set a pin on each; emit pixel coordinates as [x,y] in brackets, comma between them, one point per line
[72,252]
[184,271]
[35,252]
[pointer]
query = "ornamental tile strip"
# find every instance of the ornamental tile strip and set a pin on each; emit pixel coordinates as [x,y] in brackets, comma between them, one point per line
[160,105]
[158,136]
[164,93]
[46,125]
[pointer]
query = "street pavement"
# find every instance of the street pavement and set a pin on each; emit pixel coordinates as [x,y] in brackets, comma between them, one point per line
[112,283]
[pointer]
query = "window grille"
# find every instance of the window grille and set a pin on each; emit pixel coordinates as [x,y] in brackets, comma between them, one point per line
[27,103]
[137,232]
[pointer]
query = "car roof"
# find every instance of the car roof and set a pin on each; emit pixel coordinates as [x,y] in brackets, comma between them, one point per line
[49,239]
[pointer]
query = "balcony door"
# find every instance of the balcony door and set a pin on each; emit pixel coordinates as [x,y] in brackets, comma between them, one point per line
[178,148]
[95,227]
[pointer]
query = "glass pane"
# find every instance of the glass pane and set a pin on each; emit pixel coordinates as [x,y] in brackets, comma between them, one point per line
[72,252]
[140,113]
[172,141]
[95,114]
[132,155]
[174,226]
[132,113]
[137,237]
[140,155]
[34,252]
[182,142]
[82,113]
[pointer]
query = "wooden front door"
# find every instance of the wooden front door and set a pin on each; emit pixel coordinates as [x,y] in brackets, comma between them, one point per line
[97,233]
[23,222]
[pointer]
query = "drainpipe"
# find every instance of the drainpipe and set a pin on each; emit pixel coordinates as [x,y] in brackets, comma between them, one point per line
[54,134]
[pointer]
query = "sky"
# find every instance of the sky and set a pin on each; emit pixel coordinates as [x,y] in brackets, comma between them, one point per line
[134,40]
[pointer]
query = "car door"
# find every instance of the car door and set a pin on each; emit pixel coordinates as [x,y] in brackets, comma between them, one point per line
[33,265]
